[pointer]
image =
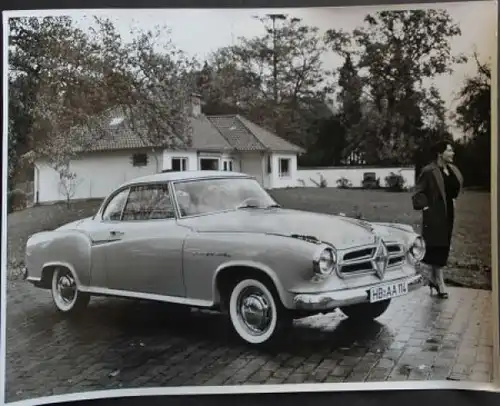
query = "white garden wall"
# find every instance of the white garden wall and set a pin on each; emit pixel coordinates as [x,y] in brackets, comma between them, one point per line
[354,174]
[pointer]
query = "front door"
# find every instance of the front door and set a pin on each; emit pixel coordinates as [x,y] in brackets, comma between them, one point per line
[99,231]
[145,255]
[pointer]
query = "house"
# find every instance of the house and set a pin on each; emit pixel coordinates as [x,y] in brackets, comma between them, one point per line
[224,143]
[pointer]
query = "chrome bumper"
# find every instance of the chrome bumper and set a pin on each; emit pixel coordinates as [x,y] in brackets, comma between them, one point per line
[24,272]
[331,300]
[32,279]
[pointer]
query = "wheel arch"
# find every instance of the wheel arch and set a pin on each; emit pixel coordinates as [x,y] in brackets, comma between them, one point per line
[49,268]
[228,274]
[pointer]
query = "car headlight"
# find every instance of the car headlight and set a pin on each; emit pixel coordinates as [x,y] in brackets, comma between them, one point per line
[325,261]
[417,249]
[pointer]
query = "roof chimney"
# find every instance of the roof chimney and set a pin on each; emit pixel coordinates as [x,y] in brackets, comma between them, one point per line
[196,104]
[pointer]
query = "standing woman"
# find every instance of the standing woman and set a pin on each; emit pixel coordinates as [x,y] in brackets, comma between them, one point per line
[438,185]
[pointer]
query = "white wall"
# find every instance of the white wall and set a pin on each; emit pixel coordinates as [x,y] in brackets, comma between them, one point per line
[251,163]
[96,175]
[355,175]
[281,182]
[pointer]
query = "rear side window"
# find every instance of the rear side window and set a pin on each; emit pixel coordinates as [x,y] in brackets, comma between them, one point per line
[114,208]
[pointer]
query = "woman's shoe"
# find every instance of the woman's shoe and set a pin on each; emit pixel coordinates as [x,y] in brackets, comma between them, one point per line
[441,295]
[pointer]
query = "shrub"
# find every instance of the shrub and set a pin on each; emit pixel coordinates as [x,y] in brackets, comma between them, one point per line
[322,181]
[17,200]
[344,183]
[395,182]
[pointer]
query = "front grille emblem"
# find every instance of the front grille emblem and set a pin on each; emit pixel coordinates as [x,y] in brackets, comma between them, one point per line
[381,259]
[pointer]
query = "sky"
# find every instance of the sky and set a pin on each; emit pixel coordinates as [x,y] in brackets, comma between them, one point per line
[198,32]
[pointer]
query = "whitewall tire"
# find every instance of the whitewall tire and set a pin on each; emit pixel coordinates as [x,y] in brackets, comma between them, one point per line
[65,294]
[256,313]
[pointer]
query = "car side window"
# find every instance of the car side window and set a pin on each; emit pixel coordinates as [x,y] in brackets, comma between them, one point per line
[148,202]
[114,208]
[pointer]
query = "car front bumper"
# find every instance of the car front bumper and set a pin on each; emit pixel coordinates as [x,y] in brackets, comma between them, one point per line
[29,278]
[328,301]
[24,272]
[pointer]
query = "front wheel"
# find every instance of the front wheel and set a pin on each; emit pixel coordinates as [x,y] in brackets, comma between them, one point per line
[257,314]
[366,311]
[65,294]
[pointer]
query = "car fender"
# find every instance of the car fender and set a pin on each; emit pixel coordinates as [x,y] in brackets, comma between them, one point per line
[284,296]
[71,249]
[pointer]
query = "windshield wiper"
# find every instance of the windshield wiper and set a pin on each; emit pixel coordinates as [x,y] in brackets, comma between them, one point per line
[256,206]
[249,206]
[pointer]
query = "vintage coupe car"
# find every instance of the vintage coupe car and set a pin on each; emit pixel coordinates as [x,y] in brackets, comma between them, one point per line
[217,240]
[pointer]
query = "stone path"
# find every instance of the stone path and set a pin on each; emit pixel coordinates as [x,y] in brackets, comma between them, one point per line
[124,344]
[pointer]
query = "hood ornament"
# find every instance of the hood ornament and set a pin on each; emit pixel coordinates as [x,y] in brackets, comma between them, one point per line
[381,259]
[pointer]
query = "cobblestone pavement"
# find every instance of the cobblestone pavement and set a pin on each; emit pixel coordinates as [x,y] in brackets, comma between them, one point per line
[124,344]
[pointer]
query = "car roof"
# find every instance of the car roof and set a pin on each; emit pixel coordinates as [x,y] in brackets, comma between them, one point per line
[184,175]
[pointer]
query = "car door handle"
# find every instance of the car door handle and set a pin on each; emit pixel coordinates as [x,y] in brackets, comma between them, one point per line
[115,233]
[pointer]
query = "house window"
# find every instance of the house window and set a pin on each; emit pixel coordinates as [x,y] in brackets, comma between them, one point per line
[284,167]
[269,166]
[227,165]
[179,164]
[209,164]
[140,159]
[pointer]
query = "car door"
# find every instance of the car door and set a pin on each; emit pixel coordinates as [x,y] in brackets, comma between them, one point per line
[99,231]
[145,255]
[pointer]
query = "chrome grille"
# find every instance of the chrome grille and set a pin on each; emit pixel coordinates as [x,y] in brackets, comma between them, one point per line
[360,254]
[396,255]
[394,248]
[358,261]
[364,266]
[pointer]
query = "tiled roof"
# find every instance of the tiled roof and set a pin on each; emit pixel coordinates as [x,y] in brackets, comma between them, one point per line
[233,130]
[267,138]
[217,133]
[206,136]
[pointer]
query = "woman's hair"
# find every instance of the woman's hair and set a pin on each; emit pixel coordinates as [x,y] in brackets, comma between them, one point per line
[440,147]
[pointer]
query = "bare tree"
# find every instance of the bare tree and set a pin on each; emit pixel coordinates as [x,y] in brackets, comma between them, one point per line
[68,184]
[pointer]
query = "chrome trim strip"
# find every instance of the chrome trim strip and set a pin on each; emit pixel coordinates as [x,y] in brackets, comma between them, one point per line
[146,296]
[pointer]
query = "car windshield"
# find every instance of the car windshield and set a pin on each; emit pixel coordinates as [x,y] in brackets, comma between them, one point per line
[215,195]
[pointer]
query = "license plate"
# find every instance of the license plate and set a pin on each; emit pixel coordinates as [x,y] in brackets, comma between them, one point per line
[388,291]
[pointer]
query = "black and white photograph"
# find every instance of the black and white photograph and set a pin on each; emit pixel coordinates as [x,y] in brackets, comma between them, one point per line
[216,197]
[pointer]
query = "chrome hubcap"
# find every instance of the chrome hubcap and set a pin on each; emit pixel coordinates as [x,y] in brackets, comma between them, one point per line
[254,311]
[66,288]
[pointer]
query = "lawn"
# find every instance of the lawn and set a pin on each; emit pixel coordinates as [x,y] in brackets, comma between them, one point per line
[470,259]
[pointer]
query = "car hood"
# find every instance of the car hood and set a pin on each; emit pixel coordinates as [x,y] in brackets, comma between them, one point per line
[340,231]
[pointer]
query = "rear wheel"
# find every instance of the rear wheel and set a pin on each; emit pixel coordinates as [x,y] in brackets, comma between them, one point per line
[366,311]
[65,294]
[257,314]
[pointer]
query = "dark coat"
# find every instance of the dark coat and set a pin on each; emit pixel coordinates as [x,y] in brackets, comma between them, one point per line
[430,192]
